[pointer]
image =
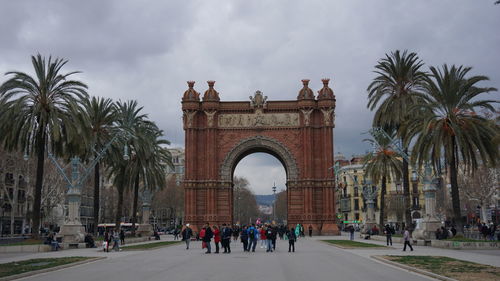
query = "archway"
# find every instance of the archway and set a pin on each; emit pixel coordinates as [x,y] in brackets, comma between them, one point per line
[259,189]
[298,132]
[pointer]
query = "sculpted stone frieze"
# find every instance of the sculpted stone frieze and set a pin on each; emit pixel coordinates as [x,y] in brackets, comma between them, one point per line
[258,119]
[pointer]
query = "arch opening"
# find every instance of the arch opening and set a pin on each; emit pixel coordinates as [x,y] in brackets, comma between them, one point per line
[259,189]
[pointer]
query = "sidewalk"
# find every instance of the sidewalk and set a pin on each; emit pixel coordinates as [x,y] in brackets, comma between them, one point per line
[489,257]
[85,252]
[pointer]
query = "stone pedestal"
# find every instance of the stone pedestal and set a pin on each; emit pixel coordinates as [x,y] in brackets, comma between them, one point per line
[145,230]
[330,229]
[72,233]
[427,228]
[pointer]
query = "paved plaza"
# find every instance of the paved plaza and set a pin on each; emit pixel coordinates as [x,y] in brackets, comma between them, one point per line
[313,260]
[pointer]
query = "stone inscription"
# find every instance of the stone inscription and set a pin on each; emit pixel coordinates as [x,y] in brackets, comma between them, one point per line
[259,119]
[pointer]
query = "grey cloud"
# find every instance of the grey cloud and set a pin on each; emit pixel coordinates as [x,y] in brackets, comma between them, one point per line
[147,50]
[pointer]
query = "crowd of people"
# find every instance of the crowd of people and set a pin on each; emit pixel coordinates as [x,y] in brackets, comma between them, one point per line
[250,236]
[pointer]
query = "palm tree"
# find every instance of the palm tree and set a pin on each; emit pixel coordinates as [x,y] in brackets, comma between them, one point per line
[98,116]
[35,115]
[392,93]
[384,163]
[150,161]
[452,128]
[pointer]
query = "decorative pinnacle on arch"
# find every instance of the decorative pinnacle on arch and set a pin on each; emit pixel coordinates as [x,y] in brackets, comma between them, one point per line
[190,84]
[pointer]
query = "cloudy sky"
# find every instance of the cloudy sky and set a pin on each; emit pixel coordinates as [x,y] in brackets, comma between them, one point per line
[147,50]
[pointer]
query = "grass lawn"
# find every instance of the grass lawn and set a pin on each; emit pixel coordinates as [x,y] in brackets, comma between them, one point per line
[449,267]
[463,239]
[149,246]
[13,268]
[353,244]
[25,242]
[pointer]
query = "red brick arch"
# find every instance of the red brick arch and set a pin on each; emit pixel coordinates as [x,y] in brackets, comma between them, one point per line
[297,132]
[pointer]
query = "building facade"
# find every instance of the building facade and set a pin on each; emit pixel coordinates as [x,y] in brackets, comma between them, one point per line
[352,204]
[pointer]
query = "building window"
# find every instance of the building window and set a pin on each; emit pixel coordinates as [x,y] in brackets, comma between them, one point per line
[346,217]
[356,216]
[356,191]
[9,179]
[356,204]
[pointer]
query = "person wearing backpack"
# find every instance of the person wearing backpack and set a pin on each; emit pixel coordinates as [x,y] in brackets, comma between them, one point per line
[227,232]
[244,238]
[252,237]
[291,239]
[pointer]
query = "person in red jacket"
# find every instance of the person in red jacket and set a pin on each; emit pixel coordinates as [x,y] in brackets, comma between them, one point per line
[216,238]
[263,238]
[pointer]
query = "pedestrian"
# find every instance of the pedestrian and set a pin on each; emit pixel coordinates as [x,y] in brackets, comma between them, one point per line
[227,232]
[208,237]
[274,232]
[406,237]
[310,231]
[187,233]
[217,238]
[263,238]
[351,231]
[244,239]
[291,239]
[107,240]
[297,230]
[388,234]
[176,233]
[122,237]
[252,237]
[269,239]
[201,236]
[116,241]
[236,232]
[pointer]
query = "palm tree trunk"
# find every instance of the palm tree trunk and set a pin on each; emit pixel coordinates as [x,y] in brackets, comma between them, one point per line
[119,209]
[96,196]
[382,202]
[455,196]
[406,190]
[134,207]
[39,183]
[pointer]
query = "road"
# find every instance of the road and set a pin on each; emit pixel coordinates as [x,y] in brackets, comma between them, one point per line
[313,260]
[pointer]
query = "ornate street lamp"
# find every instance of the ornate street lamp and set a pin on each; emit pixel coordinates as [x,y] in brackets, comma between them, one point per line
[274,201]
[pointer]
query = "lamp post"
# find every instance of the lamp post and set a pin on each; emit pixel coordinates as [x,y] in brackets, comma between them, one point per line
[274,201]
[73,231]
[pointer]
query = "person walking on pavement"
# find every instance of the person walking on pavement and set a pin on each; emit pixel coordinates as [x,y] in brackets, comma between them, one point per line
[263,238]
[227,232]
[274,231]
[388,234]
[252,237]
[291,239]
[310,231]
[208,237]
[122,237]
[217,240]
[269,239]
[187,233]
[406,237]
[244,238]
[351,231]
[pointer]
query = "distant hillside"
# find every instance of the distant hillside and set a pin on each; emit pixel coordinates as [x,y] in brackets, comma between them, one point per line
[264,199]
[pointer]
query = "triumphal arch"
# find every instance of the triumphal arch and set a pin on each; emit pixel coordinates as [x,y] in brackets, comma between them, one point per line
[298,132]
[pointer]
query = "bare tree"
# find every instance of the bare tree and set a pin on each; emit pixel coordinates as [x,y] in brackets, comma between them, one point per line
[245,205]
[480,187]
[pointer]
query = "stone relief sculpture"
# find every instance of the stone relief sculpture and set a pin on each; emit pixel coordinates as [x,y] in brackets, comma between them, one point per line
[307,116]
[210,117]
[258,100]
[327,116]
[188,117]
[258,119]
